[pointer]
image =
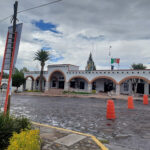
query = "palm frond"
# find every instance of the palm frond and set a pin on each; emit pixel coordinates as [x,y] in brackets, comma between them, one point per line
[42,56]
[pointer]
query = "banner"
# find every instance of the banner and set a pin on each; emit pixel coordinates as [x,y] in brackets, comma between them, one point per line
[9,45]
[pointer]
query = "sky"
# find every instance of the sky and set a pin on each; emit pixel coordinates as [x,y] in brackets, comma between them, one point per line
[71,29]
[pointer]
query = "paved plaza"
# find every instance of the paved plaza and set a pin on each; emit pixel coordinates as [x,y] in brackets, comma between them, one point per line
[130,130]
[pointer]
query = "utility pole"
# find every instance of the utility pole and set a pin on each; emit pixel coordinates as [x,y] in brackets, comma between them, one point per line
[14,19]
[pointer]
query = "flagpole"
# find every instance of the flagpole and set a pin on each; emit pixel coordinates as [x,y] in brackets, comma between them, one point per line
[110,55]
[118,63]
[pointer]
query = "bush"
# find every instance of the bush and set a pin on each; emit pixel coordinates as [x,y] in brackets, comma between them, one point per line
[26,140]
[93,91]
[32,91]
[10,124]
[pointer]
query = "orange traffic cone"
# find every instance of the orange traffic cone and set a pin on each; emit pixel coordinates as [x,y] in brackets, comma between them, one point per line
[110,110]
[145,99]
[130,102]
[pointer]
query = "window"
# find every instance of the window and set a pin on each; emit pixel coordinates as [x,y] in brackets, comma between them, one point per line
[53,83]
[94,86]
[81,85]
[126,86]
[72,84]
[37,82]
[61,78]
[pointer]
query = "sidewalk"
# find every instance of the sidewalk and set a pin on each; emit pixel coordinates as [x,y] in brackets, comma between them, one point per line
[103,96]
[54,138]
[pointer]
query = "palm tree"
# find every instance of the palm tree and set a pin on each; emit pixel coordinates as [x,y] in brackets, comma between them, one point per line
[42,56]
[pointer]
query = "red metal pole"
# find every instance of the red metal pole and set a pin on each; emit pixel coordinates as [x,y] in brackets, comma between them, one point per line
[1,76]
[10,74]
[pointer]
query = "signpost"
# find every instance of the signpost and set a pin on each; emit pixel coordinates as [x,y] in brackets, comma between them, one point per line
[7,61]
[10,54]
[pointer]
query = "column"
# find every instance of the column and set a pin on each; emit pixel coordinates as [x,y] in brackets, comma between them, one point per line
[34,85]
[47,86]
[130,87]
[66,88]
[146,88]
[89,87]
[24,86]
[117,89]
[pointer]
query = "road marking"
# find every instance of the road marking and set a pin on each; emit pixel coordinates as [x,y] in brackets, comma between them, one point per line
[103,147]
[99,143]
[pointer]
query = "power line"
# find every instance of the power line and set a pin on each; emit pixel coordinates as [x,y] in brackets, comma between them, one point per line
[56,1]
[5,18]
[39,6]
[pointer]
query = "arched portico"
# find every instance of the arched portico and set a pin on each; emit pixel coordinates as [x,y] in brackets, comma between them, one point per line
[134,84]
[29,83]
[37,83]
[103,84]
[78,83]
[57,79]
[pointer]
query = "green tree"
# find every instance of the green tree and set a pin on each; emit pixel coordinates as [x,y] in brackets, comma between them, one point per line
[138,66]
[17,78]
[135,82]
[42,56]
[5,75]
[24,69]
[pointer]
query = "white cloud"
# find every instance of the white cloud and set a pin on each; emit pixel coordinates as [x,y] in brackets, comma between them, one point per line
[86,26]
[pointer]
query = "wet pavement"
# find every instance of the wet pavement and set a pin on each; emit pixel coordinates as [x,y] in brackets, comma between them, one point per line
[51,140]
[130,130]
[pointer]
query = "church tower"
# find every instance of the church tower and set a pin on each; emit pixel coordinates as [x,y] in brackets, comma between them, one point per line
[90,64]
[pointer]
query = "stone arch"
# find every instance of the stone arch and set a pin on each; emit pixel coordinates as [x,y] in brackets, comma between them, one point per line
[37,83]
[134,77]
[80,77]
[29,77]
[60,79]
[54,72]
[78,84]
[39,77]
[104,77]
[28,85]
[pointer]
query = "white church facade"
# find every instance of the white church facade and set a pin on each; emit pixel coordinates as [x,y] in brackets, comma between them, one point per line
[69,78]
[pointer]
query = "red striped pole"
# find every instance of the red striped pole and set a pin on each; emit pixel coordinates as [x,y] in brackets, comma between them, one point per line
[1,76]
[10,74]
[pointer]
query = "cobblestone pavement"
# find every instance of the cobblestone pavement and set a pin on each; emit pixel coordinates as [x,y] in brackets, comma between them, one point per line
[131,129]
[49,137]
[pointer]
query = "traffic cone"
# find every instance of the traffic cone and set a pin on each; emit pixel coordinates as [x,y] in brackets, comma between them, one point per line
[110,114]
[145,99]
[130,102]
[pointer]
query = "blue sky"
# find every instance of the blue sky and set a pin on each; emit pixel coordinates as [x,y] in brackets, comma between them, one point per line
[54,57]
[46,26]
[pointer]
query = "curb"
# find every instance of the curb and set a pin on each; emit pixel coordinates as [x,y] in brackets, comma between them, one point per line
[80,96]
[102,147]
